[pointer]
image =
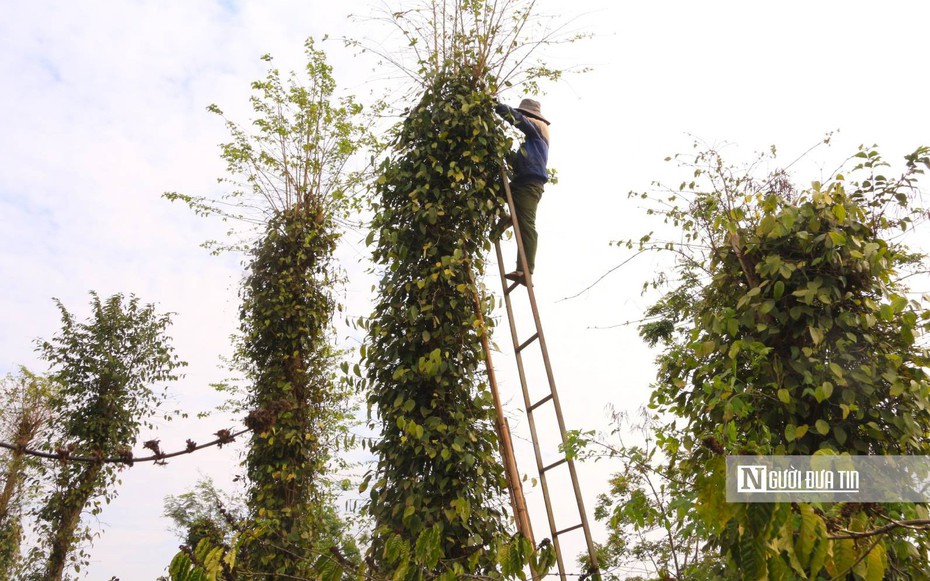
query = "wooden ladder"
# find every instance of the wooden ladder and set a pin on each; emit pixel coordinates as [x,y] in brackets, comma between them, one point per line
[552,399]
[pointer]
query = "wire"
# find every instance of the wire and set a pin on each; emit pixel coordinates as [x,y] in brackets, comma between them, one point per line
[158,457]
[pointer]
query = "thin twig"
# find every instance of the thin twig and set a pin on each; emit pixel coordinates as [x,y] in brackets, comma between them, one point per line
[916,524]
[590,286]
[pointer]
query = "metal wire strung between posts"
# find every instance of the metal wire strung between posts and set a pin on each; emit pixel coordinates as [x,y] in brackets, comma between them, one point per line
[158,457]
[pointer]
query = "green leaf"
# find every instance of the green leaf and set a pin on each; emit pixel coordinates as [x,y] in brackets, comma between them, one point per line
[778,290]
[734,349]
[394,549]
[806,535]
[428,549]
[705,348]
[876,563]
[886,312]
[898,303]
[844,556]
[751,557]
[822,427]
[793,432]
[328,568]
[816,334]
[821,551]
[897,388]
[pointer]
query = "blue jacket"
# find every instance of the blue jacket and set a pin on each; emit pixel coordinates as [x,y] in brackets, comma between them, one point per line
[531,159]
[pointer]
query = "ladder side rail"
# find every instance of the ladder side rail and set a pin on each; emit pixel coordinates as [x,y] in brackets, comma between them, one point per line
[521,254]
[531,421]
[549,374]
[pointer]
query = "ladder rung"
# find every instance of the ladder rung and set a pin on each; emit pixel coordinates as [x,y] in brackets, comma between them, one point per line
[569,529]
[553,465]
[526,343]
[540,402]
[512,286]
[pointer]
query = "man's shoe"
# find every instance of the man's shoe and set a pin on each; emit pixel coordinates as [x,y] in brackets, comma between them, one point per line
[505,222]
[516,276]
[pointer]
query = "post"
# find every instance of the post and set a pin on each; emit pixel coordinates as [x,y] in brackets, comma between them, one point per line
[517,500]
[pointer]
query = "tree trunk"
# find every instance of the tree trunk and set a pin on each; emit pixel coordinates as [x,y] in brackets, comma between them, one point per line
[13,477]
[11,536]
[67,522]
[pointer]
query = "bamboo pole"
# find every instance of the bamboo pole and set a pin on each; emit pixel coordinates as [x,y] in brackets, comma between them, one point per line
[514,484]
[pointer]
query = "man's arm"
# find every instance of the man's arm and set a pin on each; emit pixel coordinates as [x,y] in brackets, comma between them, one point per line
[506,112]
[517,119]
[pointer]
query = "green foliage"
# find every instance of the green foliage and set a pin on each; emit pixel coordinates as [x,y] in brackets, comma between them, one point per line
[24,418]
[203,512]
[105,369]
[648,508]
[219,537]
[437,468]
[295,152]
[206,562]
[435,495]
[789,332]
[297,408]
[290,184]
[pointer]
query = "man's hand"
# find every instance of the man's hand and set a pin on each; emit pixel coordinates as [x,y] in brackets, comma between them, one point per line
[502,109]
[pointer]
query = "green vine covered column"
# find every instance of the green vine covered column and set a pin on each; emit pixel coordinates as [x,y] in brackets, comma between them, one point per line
[436,494]
[290,185]
[286,316]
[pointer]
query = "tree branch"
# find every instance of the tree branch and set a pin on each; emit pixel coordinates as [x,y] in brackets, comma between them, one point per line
[916,524]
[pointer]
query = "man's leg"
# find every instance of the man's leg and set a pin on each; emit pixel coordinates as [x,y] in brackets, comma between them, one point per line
[526,198]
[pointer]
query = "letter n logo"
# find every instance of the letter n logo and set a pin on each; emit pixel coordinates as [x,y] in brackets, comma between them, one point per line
[750,478]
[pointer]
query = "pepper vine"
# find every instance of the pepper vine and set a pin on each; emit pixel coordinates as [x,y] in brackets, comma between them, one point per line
[436,492]
[289,180]
[438,482]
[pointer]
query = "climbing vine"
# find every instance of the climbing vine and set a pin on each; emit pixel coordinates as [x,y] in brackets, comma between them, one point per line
[436,493]
[438,479]
[286,315]
[290,182]
[789,331]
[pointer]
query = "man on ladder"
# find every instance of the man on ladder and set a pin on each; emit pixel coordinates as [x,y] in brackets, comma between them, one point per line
[529,176]
[523,194]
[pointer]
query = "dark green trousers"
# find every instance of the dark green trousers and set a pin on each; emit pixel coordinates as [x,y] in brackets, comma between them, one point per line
[525,199]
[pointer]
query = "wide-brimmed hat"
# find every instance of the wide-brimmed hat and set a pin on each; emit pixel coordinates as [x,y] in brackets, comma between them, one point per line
[531,108]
